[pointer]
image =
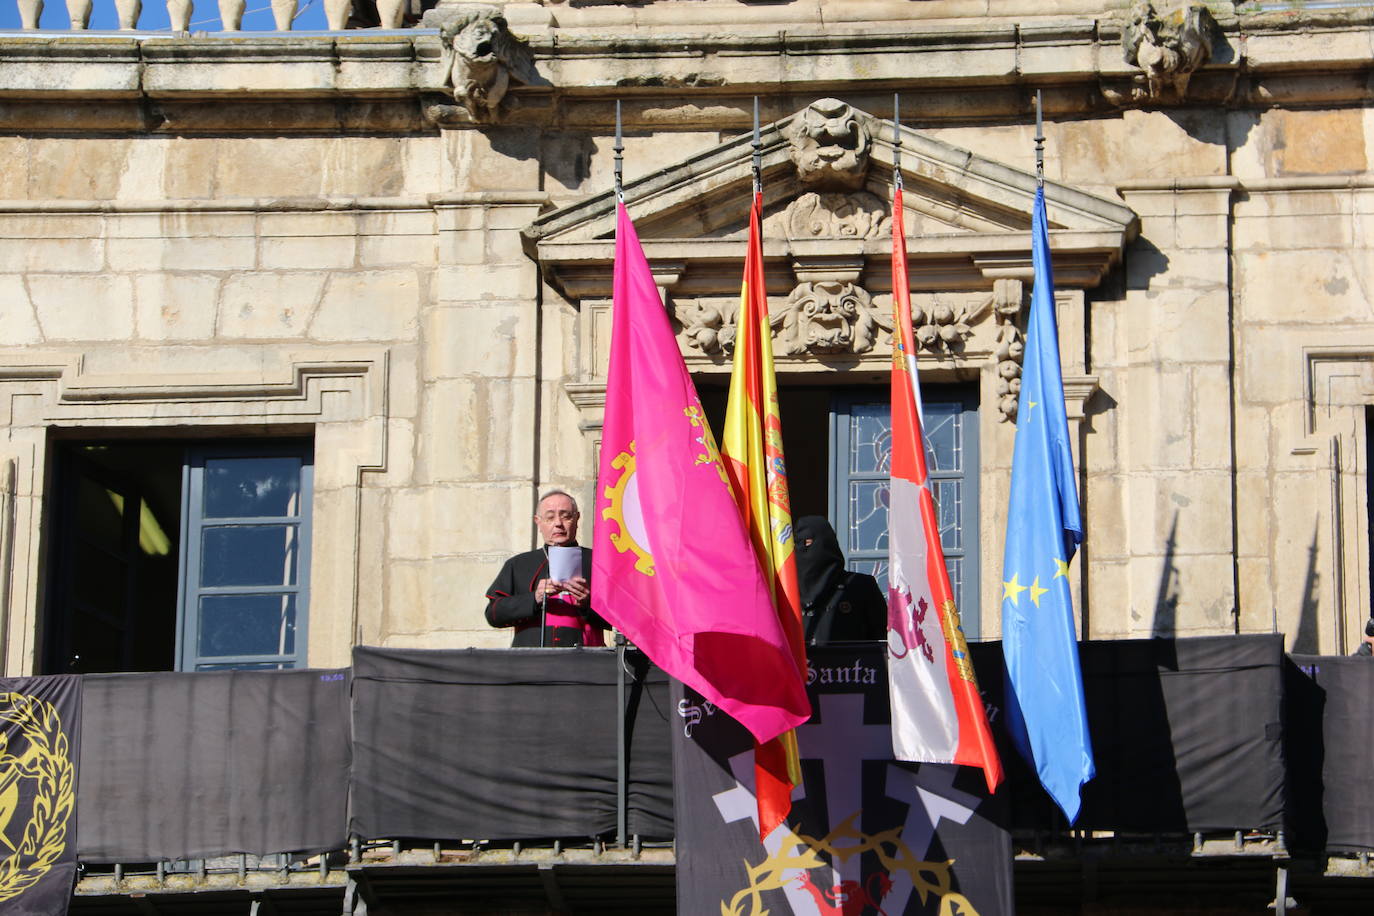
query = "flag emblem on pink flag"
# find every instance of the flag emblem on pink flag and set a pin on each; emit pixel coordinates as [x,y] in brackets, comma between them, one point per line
[674,569]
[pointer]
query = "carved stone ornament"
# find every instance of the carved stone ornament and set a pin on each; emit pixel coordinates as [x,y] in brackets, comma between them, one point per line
[826,316]
[1011,346]
[940,327]
[704,328]
[832,215]
[480,56]
[830,145]
[1168,48]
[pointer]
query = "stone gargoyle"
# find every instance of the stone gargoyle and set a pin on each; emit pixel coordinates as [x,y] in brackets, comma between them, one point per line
[480,56]
[1168,48]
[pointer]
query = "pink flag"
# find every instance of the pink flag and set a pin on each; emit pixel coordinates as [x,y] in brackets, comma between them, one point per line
[673,566]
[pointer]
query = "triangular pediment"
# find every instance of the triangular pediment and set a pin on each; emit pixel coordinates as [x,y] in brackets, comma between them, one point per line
[827,177]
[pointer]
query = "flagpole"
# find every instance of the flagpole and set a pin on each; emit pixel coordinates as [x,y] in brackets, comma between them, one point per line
[1039,140]
[619,156]
[758,150]
[897,140]
[622,780]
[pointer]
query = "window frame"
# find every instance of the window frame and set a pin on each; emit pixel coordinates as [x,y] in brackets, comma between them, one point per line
[194,524]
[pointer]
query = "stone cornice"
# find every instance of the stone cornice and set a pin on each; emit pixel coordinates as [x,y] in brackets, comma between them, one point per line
[1264,60]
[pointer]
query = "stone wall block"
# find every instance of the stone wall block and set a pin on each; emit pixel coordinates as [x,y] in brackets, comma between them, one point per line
[1253,431]
[337,252]
[397,251]
[14,178]
[369,305]
[1203,231]
[1269,366]
[99,307]
[1300,552]
[1109,600]
[459,519]
[1180,327]
[493,341]
[1158,438]
[69,255]
[1307,287]
[504,247]
[18,322]
[1211,404]
[182,254]
[463,246]
[1261,234]
[273,224]
[471,284]
[453,415]
[1182,595]
[495,159]
[1254,507]
[269,305]
[1187,513]
[73,168]
[1180,142]
[175,306]
[477,429]
[1106,502]
[23,225]
[511,217]
[451,218]
[1256,597]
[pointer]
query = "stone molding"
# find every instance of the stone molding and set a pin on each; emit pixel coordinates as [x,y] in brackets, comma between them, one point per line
[1264,59]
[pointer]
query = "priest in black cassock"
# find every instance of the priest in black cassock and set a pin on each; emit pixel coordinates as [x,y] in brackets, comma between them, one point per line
[524,595]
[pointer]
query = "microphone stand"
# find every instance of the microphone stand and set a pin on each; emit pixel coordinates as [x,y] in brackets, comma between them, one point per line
[544,606]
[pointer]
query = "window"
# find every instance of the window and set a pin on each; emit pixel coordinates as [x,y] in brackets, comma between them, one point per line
[172,556]
[860,456]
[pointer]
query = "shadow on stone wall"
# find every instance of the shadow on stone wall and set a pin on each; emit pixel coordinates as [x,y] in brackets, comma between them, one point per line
[1305,639]
[1166,600]
[1144,261]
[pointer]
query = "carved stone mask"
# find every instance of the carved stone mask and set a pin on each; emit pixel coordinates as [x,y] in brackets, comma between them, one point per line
[829,145]
[827,314]
[479,42]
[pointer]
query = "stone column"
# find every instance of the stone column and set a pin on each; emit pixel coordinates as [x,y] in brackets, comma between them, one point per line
[1162,526]
[479,408]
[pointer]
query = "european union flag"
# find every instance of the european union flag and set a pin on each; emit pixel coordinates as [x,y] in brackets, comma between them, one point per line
[1044,703]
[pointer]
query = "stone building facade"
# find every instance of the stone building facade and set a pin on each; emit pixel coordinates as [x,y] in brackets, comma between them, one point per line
[394,247]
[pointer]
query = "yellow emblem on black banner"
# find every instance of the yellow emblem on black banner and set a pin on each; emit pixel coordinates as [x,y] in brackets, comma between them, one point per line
[37,791]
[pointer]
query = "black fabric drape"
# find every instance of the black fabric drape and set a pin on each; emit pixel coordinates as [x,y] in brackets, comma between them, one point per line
[870,828]
[1329,733]
[1186,734]
[40,737]
[500,744]
[213,763]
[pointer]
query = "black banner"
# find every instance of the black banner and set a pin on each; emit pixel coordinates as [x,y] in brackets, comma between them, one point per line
[1187,735]
[1329,734]
[503,744]
[203,764]
[40,721]
[867,835]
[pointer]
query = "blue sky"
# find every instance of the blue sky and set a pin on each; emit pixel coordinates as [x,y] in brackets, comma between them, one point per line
[204,16]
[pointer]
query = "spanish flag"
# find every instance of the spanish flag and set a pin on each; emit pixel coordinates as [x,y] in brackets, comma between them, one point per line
[752,449]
